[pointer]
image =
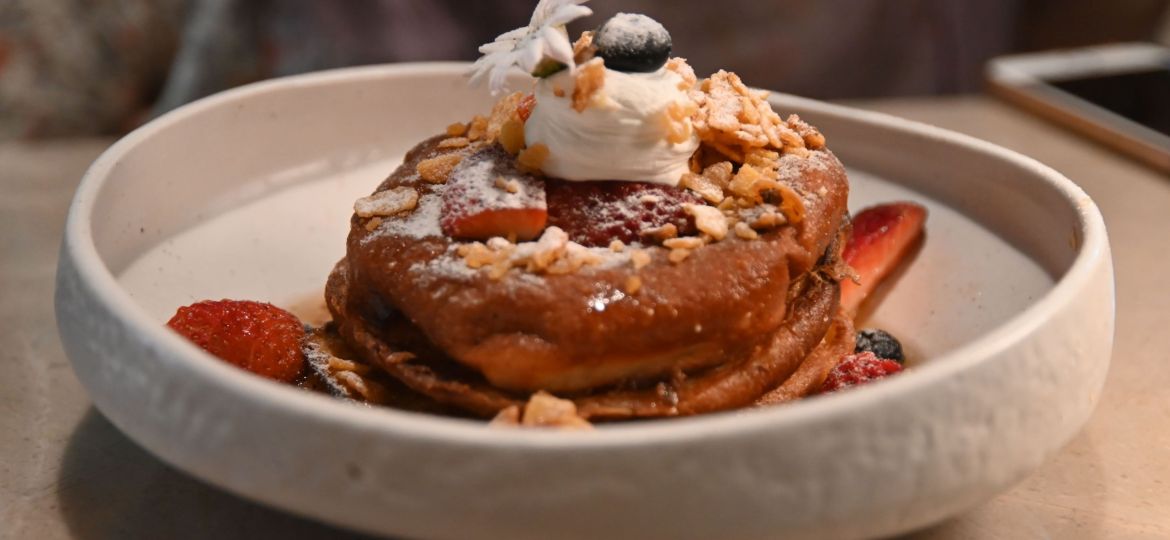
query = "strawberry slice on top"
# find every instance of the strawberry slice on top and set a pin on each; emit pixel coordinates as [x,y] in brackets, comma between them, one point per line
[598,212]
[487,195]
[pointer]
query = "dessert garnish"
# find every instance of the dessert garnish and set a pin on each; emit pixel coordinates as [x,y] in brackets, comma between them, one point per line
[255,336]
[881,344]
[541,48]
[617,239]
[857,369]
[882,236]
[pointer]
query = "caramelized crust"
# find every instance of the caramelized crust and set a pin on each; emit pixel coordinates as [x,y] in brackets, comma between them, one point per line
[789,362]
[576,332]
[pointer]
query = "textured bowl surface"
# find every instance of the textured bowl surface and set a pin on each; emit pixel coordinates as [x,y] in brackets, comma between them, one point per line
[1007,311]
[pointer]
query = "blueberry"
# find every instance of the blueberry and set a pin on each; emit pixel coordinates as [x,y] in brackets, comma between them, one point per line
[880,343]
[632,43]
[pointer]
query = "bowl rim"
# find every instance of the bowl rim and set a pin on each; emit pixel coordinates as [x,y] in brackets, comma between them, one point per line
[79,250]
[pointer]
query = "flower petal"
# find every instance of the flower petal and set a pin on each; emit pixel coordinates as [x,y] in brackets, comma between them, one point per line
[557,46]
[543,9]
[566,15]
[498,80]
[513,35]
[527,47]
[496,47]
[528,56]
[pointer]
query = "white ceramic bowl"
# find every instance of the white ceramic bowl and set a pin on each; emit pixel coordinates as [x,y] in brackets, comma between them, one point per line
[246,194]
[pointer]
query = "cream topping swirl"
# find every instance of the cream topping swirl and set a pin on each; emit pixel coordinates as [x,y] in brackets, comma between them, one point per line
[620,135]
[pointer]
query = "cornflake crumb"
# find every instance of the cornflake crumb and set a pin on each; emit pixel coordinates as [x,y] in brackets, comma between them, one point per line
[676,121]
[617,246]
[813,139]
[510,185]
[650,199]
[587,81]
[512,136]
[373,224]
[743,230]
[387,203]
[704,187]
[543,410]
[477,129]
[662,233]
[733,118]
[678,255]
[686,242]
[507,417]
[768,220]
[708,219]
[684,70]
[552,254]
[533,157]
[353,378]
[546,410]
[454,142]
[457,129]
[749,182]
[633,284]
[505,110]
[639,258]
[763,159]
[436,170]
[790,204]
[719,173]
[583,48]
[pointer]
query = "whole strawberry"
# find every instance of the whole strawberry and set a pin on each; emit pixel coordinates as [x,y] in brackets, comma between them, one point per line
[256,336]
[860,368]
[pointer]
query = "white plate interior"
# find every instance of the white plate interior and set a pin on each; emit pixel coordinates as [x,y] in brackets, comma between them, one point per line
[279,247]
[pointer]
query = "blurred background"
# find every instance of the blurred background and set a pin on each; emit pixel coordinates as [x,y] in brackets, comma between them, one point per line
[101,67]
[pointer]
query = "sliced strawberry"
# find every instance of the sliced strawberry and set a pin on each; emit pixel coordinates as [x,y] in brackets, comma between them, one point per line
[857,369]
[597,213]
[524,223]
[882,236]
[258,337]
[487,195]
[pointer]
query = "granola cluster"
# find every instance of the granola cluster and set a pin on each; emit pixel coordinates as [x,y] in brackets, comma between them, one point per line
[542,410]
[386,203]
[503,125]
[736,170]
[734,120]
[552,253]
[355,379]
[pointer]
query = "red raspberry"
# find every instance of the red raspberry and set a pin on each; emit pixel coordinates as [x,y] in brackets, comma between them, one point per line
[860,368]
[599,212]
[256,336]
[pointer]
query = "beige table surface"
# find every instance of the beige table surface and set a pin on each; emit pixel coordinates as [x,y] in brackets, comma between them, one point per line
[65,472]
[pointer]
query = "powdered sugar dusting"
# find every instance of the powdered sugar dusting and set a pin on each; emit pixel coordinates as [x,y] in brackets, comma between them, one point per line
[421,223]
[451,266]
[631,32]
[387,203]
[791,167]
[489,179]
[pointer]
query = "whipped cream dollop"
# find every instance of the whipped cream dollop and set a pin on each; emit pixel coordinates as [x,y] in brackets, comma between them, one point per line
[620,135]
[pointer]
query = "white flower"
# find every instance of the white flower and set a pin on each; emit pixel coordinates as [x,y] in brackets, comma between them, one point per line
[544,37]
